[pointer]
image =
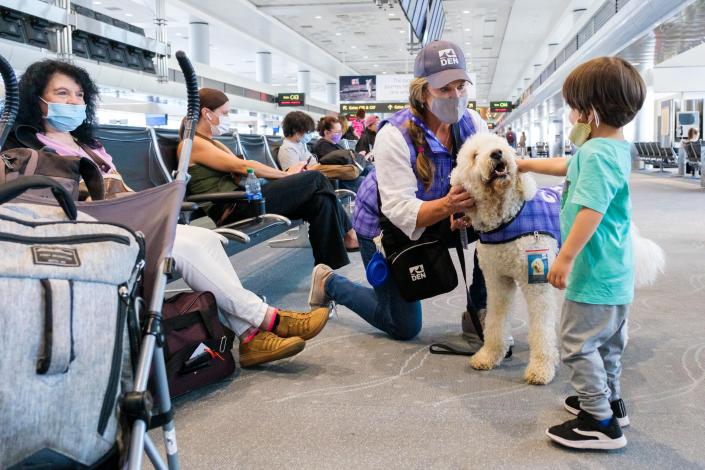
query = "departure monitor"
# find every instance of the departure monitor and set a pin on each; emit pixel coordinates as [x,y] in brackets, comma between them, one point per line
[416,12]
[500,106]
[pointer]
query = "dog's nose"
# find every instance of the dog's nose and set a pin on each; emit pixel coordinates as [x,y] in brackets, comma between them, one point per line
[496,155]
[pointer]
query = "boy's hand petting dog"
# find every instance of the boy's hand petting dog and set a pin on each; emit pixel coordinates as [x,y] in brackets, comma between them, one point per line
[559,272]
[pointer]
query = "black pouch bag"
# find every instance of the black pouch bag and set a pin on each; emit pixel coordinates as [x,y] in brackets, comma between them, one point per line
[421,268]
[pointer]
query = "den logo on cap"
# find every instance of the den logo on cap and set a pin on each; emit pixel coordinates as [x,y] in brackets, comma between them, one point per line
[441,62]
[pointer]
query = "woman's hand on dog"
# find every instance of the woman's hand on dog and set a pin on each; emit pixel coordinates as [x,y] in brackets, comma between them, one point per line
[559,272]
[458,200]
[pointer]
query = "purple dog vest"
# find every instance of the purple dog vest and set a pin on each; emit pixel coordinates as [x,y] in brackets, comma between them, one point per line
[537,216]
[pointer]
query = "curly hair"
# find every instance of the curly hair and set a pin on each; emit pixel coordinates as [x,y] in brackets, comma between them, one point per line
[326,124]
[32,85]
[297,121]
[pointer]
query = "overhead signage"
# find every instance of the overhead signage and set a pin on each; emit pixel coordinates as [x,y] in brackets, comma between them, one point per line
[472,105]
[393,87]
[291,99]
[500,106]
[351,108]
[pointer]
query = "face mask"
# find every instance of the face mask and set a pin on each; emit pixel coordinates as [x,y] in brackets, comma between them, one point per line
[580,133]
[223,127]
[335,138]
[307,137]
[449,110]
[65,117]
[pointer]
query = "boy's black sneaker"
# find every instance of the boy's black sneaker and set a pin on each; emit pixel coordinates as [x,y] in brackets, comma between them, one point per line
[572,405]
[586,432]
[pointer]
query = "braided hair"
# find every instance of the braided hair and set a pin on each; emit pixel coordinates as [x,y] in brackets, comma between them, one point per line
[424,166]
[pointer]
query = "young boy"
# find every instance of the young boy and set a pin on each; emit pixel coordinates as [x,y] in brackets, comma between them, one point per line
[595,263]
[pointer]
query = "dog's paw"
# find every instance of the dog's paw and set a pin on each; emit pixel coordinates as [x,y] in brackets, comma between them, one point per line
[539,373]
[484,359]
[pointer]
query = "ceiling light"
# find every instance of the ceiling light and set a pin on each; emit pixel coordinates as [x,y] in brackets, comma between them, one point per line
[128,14]
[337,34]
[392,14]
[467,43]
[276,84]
[467,29]
[466,11]
[376,65]
[318,17]
[402,31]
[364,57]
[353,47]
[97,3]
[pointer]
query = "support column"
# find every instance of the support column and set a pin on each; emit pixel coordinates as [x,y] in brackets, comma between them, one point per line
[160,21]
[199,41]
[263,72]
[304,82]
[332,92]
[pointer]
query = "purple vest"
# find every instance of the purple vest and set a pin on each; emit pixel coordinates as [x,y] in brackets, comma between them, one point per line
[539,215]
[366,215]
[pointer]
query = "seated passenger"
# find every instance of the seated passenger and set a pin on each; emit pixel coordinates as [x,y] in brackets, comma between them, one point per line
[299,129]
[292,193]
[367,139]
[331,131]
[348,130]
[57,110]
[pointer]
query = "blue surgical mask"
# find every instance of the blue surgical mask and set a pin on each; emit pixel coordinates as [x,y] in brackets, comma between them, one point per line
[65,117]
[307,137]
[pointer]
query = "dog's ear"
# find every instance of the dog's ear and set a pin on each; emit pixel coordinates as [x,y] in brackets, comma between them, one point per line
[526,185]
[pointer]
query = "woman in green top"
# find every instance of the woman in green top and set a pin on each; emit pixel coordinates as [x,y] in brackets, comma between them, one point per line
[294,193]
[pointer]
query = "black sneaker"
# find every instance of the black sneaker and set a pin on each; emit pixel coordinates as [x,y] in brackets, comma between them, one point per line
[586,432]
[572,405]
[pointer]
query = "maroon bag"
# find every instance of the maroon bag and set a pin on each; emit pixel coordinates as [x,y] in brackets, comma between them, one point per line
[189,320]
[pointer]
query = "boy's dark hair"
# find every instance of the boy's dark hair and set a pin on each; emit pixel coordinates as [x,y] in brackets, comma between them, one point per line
[32,85]
[610,85]
[326,124]
[297,121]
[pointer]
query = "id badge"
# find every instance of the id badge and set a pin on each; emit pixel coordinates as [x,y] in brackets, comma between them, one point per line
[537,263]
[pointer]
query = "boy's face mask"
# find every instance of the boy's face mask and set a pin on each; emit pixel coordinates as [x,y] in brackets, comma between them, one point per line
[580,132]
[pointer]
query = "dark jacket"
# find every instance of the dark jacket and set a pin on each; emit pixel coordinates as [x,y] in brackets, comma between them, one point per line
[323,147]
[366,142]
[350,134]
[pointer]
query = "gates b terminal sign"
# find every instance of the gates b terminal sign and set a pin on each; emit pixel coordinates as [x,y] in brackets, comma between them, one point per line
[351,108]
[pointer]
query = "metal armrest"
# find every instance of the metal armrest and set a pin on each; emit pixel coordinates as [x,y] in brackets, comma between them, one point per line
[232,234]
[189,206]
[261,220]
[230,196]
[345,193]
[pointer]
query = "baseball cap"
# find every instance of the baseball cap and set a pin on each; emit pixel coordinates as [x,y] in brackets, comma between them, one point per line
[441,62]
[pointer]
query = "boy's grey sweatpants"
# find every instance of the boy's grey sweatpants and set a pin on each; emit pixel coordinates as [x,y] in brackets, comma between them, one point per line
[593,338]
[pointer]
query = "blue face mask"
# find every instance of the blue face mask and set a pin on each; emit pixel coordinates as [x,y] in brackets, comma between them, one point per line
[65,117]
[308,137]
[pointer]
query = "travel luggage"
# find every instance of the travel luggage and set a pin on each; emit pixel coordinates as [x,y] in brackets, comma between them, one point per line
[68,284]
[198,346]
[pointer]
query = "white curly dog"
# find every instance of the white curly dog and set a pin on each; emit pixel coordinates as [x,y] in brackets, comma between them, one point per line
[486,168]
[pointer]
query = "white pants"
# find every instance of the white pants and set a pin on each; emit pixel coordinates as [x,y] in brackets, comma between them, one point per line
[202,262]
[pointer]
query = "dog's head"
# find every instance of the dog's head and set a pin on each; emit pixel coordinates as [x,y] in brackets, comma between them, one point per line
[487,164]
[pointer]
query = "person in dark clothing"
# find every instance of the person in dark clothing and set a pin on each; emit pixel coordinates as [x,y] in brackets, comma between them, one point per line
[367,140]
[331,131]
[296,194]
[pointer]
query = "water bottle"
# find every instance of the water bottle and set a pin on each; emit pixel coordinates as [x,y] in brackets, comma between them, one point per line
[252,186]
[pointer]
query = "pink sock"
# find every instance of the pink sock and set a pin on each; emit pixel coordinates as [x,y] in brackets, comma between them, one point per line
[249,337]
[274,320]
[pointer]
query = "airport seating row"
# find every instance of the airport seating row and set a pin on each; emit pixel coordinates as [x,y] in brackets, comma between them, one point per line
[693,156]
[654,154]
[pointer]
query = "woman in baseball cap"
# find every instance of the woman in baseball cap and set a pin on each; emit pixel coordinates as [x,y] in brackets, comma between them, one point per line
[414,151]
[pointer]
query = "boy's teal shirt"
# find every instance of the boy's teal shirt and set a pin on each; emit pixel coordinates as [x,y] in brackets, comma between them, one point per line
[598,178]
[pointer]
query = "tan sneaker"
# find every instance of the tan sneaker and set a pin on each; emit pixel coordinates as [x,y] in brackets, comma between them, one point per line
[267,347]
[303,325]
[317,294]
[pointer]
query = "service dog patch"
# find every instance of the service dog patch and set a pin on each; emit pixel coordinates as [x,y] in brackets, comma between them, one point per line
[537,261]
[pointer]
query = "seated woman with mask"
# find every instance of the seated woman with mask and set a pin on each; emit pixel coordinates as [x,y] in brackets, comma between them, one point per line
[294,194]
[57,110]
[299,129]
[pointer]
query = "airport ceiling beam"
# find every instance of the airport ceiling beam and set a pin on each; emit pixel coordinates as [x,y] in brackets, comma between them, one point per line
[243,18]
[635,20]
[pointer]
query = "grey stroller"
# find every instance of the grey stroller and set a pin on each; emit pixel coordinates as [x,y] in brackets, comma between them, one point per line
[143,226]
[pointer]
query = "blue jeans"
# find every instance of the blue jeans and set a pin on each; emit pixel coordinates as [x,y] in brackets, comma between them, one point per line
[382,307]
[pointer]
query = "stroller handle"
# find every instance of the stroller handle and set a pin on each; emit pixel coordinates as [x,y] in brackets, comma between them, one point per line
[191,86]
[12,99]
